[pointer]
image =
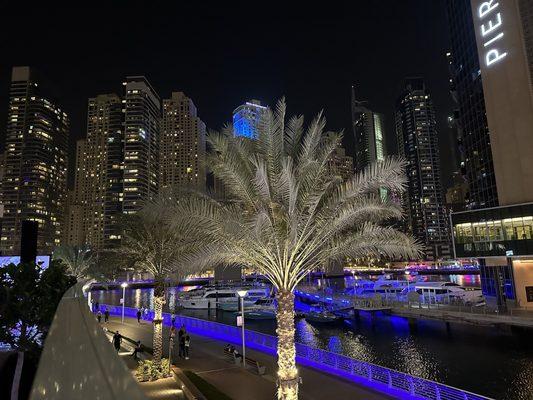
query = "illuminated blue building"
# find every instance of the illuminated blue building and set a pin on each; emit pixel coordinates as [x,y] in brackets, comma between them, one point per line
[247,118]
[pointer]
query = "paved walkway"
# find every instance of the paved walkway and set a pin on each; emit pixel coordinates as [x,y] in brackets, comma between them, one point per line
[208,361]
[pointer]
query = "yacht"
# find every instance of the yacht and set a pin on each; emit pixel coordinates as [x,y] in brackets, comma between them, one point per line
[321,317]
[262,309]
[446,291]
[223,297]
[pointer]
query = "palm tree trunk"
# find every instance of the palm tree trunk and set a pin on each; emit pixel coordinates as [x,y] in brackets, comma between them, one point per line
[159,300]
[287,373]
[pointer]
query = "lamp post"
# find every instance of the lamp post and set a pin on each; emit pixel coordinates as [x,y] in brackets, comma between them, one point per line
[124,286]
[242,294]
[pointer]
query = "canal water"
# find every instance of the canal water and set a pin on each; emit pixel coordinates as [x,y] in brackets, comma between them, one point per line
[488,361]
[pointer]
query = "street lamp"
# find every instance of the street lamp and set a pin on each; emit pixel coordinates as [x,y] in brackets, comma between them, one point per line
[242,294]
[124,286]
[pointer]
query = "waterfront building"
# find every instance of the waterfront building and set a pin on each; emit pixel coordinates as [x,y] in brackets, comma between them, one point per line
[502,237]
[35,180]
[141,145]
[75,216]
[183,149]
[474,137]
[369,134]
[117,165]
[418,145]
[248,118]
[340,164]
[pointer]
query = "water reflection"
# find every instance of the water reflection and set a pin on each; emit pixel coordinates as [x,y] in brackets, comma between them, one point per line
[482,360]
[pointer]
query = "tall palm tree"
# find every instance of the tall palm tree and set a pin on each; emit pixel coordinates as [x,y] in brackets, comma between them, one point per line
[78,259]
[288,214]
[150,244]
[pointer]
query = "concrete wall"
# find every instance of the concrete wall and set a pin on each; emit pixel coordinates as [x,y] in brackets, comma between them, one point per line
[523,276]
[508,99]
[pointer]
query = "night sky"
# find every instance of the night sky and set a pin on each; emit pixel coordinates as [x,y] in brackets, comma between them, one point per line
[221,55]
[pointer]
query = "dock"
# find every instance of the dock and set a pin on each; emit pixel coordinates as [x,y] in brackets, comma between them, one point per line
[348,306]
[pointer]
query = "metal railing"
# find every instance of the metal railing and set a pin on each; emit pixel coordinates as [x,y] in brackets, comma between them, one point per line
[362,372]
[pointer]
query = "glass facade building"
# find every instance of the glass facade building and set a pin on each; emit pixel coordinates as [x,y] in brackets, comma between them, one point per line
[248,118]
[466,80]
[369,135]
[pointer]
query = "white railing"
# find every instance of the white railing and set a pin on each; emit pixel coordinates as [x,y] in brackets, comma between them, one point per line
[364,373]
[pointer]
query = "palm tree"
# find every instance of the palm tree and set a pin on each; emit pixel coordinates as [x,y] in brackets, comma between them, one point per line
[288,214]
[78,259]
[151,245]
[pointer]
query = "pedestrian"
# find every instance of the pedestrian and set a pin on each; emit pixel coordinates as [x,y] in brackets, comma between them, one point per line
[181,343]
[106,315]
[172,318]
[187,344]
[146,313]
[139,313]
[99,316]
[117,341]
[138,349]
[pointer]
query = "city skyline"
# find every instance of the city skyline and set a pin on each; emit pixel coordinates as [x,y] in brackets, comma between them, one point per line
[339,60]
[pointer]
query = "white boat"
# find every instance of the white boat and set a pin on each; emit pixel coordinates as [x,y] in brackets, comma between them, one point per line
[223,297]
[446,291]
[261,309]
[321,317]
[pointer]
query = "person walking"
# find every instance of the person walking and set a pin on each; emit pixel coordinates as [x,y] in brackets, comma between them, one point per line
[139,314]
[106,315]
[181,344]
[172,319]
[99,316]
[138,349]
[186,344]
[117,341]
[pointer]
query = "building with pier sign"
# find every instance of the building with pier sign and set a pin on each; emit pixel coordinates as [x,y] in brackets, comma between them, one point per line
[502,237]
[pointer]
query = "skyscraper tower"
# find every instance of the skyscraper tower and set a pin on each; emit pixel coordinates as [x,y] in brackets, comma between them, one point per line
[35,181]
[468,93]
[141,145]
[369,134]
[100,186]
[417,143]
[182,160]
[119,167]
[247,118]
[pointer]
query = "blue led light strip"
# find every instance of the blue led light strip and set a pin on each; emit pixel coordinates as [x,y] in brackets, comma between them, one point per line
[385,380]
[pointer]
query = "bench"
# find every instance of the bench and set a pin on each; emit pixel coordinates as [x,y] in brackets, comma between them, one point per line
[253,364]
[232,357]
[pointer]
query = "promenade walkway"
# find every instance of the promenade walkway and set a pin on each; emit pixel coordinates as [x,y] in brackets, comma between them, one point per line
[208,361]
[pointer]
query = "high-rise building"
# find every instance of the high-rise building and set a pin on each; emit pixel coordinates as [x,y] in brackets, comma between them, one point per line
[141,145]
[417,143]
[99,188]
[369,134]
[182,161]
[467,90]
[117,165]
[248,117]
[75,211]
[501,237]
[340,164]
[35,181]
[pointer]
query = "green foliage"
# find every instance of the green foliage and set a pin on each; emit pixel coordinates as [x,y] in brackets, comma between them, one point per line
[208,390]
[150,371]
[77,259]
[28,301]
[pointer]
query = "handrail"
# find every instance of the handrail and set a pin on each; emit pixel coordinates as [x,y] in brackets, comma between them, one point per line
[364,373]
[77,361]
